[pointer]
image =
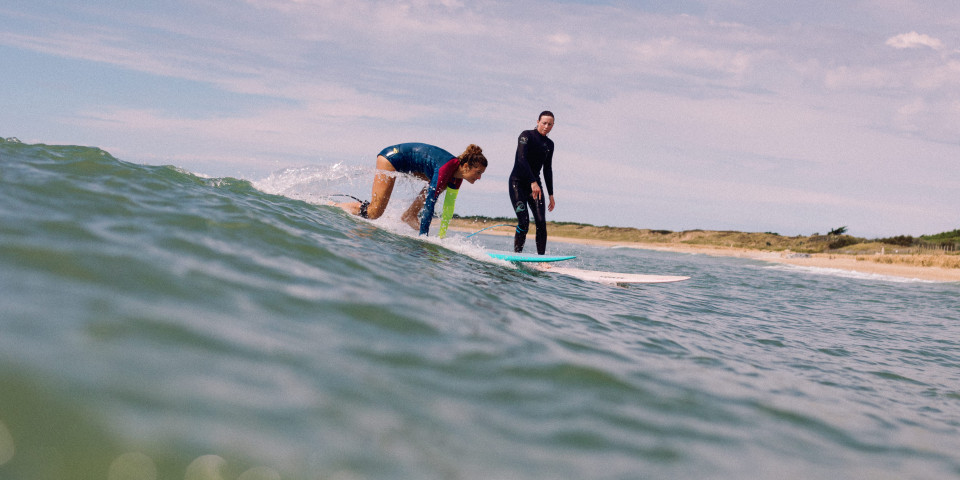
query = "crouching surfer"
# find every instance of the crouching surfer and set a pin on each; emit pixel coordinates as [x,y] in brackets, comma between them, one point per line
[439,168]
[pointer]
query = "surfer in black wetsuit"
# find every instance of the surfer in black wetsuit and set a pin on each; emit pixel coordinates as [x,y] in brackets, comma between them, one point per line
[534,152]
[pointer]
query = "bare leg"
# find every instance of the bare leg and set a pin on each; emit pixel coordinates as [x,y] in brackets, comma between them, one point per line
[380,194]
[382,188]
[412,215]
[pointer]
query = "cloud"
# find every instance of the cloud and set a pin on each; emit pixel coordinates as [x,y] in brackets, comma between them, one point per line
[802,111]
[914,40]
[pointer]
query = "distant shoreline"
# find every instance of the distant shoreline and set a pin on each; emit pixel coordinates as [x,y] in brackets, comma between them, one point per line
[889,264]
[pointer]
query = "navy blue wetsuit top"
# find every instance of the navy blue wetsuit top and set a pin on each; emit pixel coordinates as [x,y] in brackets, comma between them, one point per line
[534,151]
[437,164]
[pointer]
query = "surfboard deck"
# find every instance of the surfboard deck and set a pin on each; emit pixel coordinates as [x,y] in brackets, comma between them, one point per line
[613,278]
[529,257]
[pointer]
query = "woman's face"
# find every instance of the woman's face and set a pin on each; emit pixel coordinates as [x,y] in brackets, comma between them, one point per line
[472,174]
[545,125]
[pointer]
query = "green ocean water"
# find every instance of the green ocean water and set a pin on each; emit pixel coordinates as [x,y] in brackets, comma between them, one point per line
[156,324]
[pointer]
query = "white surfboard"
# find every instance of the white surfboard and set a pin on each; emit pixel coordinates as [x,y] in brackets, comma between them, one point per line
[613,278]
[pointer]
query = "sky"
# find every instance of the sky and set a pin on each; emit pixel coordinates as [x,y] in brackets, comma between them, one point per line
[749,115]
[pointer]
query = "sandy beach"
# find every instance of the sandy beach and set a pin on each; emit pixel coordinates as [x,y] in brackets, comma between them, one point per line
[856,263]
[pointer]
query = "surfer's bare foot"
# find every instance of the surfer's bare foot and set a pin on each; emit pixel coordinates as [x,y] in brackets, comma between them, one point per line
[414,224]
[352,208]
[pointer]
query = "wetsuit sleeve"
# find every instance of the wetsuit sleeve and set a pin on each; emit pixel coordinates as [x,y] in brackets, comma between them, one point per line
[525,174]
[441,177]
[449,200]
[426,213]
[548,170]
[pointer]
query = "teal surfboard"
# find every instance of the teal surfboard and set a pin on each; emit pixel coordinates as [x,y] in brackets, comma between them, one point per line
[528,257]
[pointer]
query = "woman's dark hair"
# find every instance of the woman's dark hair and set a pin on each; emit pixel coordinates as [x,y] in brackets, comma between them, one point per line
[545,113]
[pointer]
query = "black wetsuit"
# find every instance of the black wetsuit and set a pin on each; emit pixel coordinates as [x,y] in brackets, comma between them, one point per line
[534,151]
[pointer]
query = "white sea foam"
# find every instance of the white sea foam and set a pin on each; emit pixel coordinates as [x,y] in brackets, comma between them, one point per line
[837,272]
